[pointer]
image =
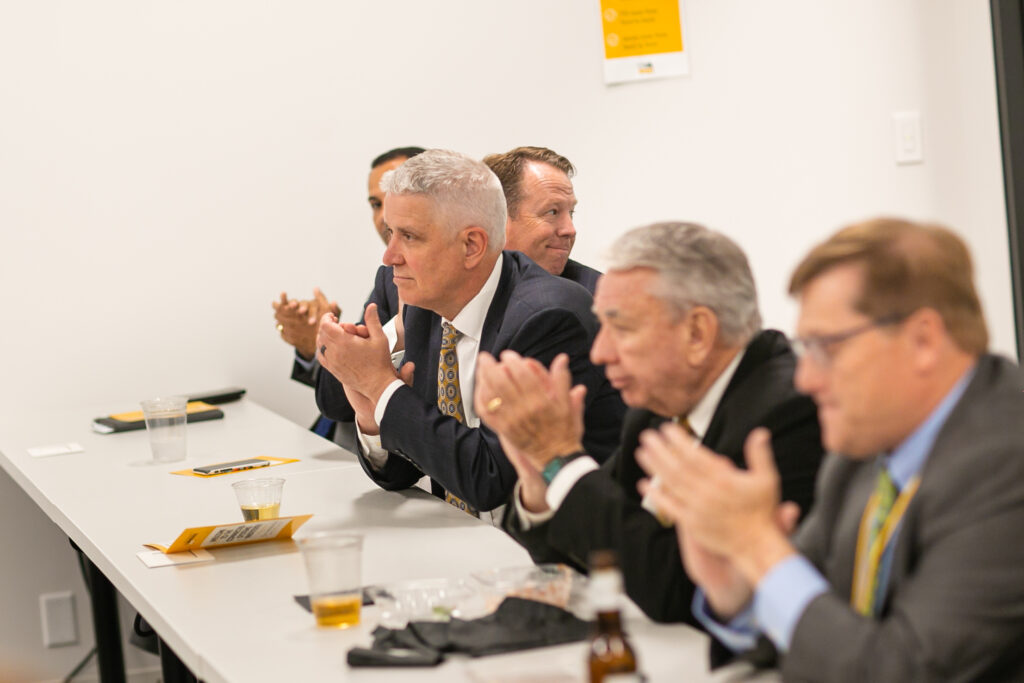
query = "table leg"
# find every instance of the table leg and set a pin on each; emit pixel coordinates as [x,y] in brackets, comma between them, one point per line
[173,669]
[105,621]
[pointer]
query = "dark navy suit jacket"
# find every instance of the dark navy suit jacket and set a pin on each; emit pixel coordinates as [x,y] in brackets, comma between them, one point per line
[532,313]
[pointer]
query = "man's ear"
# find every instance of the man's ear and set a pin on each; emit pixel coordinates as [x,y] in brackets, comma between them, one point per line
[701,325]
[474,243]
[926,334]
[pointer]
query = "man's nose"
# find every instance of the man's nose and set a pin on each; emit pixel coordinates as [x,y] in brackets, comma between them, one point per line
[601,351]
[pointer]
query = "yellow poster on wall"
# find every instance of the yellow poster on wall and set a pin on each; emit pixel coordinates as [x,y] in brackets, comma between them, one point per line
[642,39]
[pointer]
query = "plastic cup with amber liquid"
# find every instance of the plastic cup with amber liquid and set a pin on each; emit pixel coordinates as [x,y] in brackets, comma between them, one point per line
[334,563]
[259,498]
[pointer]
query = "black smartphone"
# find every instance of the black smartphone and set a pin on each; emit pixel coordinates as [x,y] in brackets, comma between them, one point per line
[233,466]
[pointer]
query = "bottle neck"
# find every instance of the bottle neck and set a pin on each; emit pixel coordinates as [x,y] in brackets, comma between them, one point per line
[609,622]
[606,590]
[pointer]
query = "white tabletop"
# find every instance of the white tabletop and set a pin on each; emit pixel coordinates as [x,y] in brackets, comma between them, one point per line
[235,619]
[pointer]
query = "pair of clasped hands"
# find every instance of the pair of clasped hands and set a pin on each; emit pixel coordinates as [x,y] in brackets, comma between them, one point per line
[358,355]
[730,522]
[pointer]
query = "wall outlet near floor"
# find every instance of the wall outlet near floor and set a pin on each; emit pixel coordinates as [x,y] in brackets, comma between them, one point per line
[58,615]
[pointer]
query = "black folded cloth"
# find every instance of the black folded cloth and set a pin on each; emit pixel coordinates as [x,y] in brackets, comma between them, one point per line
[517,624]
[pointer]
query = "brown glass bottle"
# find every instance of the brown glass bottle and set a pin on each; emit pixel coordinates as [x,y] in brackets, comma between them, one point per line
[611,657]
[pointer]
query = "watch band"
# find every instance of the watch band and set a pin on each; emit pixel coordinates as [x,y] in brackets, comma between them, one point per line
[556,465]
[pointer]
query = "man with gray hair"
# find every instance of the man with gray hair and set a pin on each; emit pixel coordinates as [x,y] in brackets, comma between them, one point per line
[681,339]
[463,295]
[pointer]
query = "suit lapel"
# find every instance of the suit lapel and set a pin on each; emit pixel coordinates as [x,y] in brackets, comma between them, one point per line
[496,311]
[760,349]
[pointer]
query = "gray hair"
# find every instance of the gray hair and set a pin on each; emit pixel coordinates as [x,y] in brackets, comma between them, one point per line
[464,191]
[696,267]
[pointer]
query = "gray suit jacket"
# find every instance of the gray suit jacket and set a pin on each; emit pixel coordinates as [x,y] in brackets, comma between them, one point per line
[955,604]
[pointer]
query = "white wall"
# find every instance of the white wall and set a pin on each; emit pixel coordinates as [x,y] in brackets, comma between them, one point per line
[167,168]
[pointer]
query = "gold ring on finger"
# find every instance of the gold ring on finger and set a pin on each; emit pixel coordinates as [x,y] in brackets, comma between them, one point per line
[280,328]
[494,404]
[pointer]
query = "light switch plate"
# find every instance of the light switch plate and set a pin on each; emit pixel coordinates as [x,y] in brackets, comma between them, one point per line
[58,613]
[906,126]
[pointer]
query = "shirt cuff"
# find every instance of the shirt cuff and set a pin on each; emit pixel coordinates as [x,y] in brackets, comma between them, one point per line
[566,478]
[306,365]
[372,450]
[738,635]
[527,519]
[783,595]
[382,402]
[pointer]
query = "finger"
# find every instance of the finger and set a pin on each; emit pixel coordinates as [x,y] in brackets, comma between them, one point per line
[577,400]
[758,452]
[355,330]
[560,375]
[787,515]
[406,372]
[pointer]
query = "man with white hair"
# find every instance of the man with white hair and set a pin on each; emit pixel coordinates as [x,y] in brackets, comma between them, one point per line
[446,219]
[681,339]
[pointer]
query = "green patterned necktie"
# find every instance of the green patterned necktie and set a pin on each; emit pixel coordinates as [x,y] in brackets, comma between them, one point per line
[449,396]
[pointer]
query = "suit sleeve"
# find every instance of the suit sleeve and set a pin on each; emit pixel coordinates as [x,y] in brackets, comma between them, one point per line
[469,461]
[307,376]
[958,612]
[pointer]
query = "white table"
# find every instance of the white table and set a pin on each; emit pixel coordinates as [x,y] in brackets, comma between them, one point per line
[235,619]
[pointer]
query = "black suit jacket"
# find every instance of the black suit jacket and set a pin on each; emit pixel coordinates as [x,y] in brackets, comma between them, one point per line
[581,274]
[385,295]
[603,509]
[532,313]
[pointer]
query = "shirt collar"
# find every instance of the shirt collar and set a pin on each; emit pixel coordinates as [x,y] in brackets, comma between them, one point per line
[909,457]
[470,320]
[700,417]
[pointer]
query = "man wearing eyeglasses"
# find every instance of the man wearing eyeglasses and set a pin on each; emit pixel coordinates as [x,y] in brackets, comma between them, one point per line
[681,339]
[909,566]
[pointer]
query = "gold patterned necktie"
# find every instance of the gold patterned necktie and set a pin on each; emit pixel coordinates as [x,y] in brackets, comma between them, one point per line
[449,396]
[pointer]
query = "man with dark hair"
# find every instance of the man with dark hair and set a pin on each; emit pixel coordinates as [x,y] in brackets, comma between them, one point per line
[908,567]
[681,339]
[537,183]
[463,295]
[299,320]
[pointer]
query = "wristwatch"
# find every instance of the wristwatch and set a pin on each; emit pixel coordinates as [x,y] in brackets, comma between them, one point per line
[556,465]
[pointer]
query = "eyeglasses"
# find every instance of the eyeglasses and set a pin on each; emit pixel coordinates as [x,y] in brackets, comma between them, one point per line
[822,348]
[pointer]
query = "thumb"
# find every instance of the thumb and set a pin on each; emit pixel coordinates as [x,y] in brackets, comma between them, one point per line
[406,372]
[372,322]
[758,451]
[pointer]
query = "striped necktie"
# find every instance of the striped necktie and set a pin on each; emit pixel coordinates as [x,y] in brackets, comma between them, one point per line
[449,396]
[879,526]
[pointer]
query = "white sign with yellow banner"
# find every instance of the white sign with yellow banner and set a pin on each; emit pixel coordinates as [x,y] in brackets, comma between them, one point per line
[643,39]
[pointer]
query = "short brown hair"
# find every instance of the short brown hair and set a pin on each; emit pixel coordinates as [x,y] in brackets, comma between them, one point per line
[509,169]
[907,266]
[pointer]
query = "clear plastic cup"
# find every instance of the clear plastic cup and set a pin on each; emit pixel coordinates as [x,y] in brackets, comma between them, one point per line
[259,498]
[165,423]
[334,563]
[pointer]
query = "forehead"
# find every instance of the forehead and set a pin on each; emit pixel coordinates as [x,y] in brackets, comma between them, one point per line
[543,181]
[410,211]
[827,301]
[378,171]
[625,293]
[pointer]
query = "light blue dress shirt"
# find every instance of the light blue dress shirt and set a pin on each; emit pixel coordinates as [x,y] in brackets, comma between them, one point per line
[785,591]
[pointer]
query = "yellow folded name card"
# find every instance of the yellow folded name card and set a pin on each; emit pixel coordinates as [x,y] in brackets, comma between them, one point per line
[219,536]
